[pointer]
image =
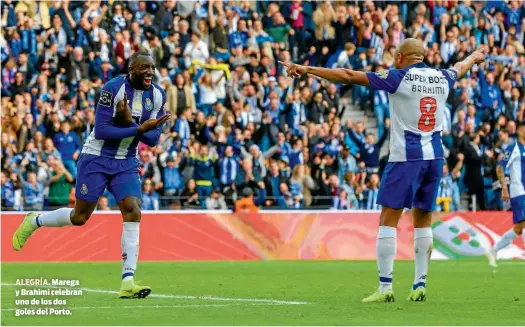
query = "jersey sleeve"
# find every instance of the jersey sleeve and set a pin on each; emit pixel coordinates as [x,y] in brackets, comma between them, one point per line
[451,75]
[386,80]
[510,154]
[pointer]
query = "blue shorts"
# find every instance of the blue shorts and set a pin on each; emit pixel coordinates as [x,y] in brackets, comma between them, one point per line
[517,205]
[411,184]
[120,176]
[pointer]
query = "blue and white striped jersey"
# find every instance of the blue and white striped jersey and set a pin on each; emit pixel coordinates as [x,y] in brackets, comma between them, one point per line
[514,160]
[110,141]
[417,97]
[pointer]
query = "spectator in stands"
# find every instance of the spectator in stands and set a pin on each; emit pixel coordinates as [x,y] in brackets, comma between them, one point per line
[179,97]
[173,180]
[8,190]
[204,171]
[349,186]
[181,129]
[50,150]
[302,185]
[195,50]
[473,178]
[444,199]
[215,201]
[247,177]
[340,202]
[60,183]
[69,146]
[103,204]
[33,193]
[150,198]
[190,195]
[369,151]
[228,168]
[370,193]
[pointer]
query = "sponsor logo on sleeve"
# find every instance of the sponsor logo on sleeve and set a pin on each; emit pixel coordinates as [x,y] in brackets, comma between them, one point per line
[105,98]
[452,74]
[383,74]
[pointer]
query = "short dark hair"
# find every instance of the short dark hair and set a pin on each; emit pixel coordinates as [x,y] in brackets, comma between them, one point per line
[521,124]
[138,54]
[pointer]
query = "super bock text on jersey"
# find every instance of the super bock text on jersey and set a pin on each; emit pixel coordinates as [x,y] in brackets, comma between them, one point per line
[417,97]
[109,156]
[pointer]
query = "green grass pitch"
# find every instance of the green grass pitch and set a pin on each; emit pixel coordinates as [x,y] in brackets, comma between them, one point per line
[462,292]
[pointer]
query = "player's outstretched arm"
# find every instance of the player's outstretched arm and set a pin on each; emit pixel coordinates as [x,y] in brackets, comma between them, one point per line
[337,75]
[477,57]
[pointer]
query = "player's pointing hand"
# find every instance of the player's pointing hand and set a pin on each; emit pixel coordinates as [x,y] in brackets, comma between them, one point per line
[479,55]
[153,123]
[293,70]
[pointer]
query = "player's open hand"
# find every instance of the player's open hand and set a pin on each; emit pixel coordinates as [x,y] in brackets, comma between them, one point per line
[479,55]
[153,123]
[294,70]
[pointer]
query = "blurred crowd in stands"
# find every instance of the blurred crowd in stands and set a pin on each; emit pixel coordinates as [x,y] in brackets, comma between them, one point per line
[241,128]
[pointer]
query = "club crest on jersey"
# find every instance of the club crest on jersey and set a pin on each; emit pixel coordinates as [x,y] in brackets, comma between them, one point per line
[149,104]
[84,189]
[383,74]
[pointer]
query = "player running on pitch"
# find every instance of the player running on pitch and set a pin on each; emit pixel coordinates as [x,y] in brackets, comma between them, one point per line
[109,160]
[411,179]
[514,159]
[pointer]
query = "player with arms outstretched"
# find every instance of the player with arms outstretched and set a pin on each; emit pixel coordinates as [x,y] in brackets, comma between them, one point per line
[417,95]
[514,159]
[109,159]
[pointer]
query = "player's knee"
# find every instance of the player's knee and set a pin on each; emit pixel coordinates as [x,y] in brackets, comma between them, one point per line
[130,208]
[422,218]
[390,216]
[134,214]
[79,218]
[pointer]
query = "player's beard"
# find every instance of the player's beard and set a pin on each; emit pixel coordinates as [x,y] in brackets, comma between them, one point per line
[139,81]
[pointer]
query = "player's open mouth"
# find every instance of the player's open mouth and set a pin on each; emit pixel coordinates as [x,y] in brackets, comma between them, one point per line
[147,80]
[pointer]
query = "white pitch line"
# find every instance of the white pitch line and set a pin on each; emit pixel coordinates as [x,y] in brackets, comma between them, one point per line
[500,262]
[171,296]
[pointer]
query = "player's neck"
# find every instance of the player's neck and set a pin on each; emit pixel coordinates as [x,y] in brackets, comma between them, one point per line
[521,140]
[413,62]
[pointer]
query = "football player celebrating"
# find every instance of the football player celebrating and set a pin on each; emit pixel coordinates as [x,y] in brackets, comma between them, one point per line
[130,110]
